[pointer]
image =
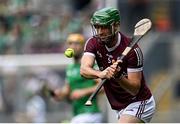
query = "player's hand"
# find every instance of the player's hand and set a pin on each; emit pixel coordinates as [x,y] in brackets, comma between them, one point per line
[107,73]
[111,71]
[116,66]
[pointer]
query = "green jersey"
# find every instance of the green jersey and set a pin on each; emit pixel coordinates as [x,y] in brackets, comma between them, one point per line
[76,81]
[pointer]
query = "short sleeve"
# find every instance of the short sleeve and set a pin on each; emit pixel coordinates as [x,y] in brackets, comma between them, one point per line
[135,60]
[90,47]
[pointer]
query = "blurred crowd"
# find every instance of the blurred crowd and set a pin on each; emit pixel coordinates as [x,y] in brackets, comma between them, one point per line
[25,29]
[42,26]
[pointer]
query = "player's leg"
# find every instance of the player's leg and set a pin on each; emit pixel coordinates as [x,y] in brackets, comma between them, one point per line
[129,119]
[141,111]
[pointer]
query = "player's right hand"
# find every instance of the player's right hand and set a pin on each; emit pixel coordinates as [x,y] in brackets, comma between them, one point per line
[107,73]
[111,71]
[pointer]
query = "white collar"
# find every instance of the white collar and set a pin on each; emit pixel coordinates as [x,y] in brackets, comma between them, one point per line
[116,45]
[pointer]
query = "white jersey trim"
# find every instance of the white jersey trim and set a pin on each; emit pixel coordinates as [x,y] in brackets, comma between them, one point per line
[88,53]
[117,44]
[134,69]
[139,56]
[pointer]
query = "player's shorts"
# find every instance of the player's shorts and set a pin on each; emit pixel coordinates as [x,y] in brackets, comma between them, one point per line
[88,118]
[143,110]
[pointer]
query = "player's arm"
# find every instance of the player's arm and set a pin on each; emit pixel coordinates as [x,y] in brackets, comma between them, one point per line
[79,93]
[93,88]
[87,70]
[132,83]
[61,93]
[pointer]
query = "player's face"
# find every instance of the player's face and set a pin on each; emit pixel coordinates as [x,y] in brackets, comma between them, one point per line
[104,33]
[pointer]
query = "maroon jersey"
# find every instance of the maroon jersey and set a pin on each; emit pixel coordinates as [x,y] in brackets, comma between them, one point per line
[133,62]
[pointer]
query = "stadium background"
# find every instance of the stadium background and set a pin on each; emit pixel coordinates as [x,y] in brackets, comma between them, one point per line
[32,41]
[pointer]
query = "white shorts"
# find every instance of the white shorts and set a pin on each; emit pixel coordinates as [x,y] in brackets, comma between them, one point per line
[88,118]
[143,110]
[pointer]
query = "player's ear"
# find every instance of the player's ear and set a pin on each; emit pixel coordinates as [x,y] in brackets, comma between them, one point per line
[117,26]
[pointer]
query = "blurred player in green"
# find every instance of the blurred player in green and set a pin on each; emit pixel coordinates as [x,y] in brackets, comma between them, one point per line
[77,88]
